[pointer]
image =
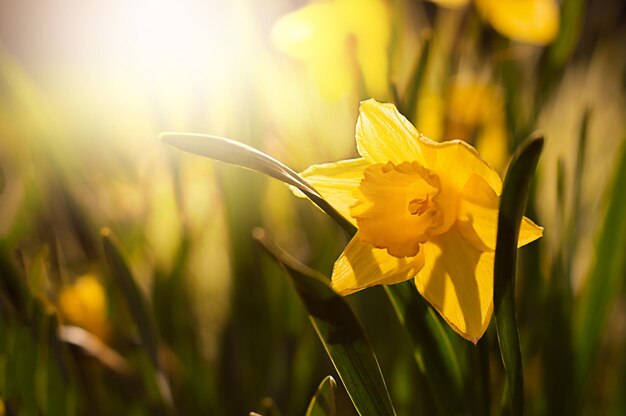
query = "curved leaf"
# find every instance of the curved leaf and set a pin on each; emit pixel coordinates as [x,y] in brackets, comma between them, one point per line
[236,153]
[339,330]
[323,403]
[512,205]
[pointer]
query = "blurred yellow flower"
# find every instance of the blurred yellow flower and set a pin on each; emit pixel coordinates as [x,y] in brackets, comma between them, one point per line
[424,210]
[529,21]
[84,304]
[453,4]
[337,40]
[473,111]
[476,110]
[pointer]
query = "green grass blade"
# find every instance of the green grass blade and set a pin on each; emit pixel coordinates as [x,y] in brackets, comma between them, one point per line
[139,310]
[432,347]
[135,299]
[323,403]
[572,18]
[14,289]
[512,205]
[605,276]
[80,224]
[572,230]
[558,354]
[341,334]
[236,153]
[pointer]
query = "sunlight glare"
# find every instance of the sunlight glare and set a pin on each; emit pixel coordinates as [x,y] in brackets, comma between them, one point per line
[181,37]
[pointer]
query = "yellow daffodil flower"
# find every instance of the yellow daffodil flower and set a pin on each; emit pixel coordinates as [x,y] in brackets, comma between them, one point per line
[84,304]
[337,40]
[529,21]
[424,210]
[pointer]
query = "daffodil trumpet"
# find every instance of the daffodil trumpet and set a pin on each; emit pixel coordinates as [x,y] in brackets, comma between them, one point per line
[424,210]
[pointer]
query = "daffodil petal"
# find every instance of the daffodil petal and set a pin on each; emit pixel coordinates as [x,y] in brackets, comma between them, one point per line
[529,232]
[477,214]
[384,135]
[530,21]
[457,161]
[477,217]
[336,182]
[457,279]
[361,266]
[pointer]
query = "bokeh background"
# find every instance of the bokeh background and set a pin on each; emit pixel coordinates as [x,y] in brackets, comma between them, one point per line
[85,90]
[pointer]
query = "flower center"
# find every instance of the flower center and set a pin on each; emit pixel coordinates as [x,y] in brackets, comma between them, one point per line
[396,207]
[418,206]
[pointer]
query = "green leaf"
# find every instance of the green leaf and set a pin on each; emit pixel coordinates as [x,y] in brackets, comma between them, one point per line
[139,310]
[512,205]
[239,154]
[323,403]
[432,347]
[341,334]
[605,277]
